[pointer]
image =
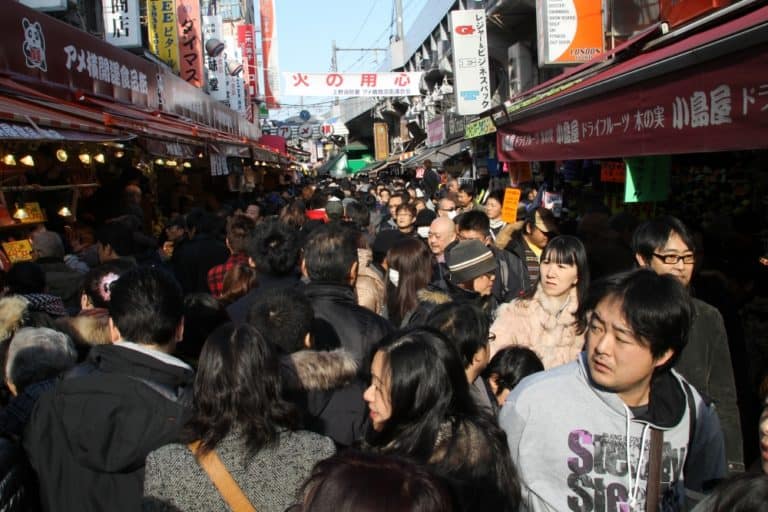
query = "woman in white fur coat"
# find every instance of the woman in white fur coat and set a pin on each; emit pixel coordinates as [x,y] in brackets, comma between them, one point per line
[545,320]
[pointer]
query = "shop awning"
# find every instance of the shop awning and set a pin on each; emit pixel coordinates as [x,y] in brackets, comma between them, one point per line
[439,154]
[707,92]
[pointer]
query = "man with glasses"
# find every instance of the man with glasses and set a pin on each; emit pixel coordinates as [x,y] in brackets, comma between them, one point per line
[446,207]
[667,247]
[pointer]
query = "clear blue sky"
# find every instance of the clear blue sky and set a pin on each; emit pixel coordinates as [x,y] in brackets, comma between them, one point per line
[306,29]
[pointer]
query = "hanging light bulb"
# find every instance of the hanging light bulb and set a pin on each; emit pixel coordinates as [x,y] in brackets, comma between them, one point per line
[119,154]
[186,165]
[61,155]
[84,158]
[200,154]
[160,161]
[9,159]
[171,163]
[27,160]
[99,158]
[20,213]
[65,211]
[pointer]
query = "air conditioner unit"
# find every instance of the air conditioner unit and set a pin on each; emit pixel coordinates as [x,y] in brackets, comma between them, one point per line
[520,69]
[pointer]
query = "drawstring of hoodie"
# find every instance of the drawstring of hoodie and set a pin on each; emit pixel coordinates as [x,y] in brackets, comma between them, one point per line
[634,482]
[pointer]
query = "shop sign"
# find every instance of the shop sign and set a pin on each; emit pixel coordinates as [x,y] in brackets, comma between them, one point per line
[269,52]
[25,132]
[436,131]
[245,40]
[236,85]
[18,250]
[478,128]
[647,179]
[471,78]
[161,31]
[613,172]
[569,31]
[218,164]
[721,107]
[381,141]
[510,204]
[50,52]
[190,30]
[454,125]
[352,84]
[217,72]
[121,23]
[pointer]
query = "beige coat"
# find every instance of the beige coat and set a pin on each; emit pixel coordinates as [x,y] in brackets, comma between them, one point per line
[370,288]
[539,324]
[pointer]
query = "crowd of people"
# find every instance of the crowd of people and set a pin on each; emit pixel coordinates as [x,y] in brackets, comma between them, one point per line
[372,345]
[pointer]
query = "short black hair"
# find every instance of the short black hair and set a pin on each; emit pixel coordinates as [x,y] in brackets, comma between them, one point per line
[512,364]
[474,220]
[117,236]
[96,288]
[654,234]
[274,248]
[146,306]
[468,189]
[464,325]
[203,222]
[329,254]
[239,231]
[359,214]
[25,277]
[283,316]
[656,307]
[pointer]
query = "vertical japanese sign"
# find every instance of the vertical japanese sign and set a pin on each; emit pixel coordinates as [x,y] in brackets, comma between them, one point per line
[510,204]
[217,73]
[233,57]
[647,179]
[161,30]
[269,52]
[569,31]
[121,23]
[436,131]
[472,80]
[381,141]
[190,41]
[245,40]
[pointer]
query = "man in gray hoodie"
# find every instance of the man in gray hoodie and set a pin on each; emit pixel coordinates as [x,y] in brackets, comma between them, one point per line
[583,434]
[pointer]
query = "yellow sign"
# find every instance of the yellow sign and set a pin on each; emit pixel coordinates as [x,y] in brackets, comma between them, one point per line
[161,29]
[509,207]
[34,213]
[20,250]
[479,128]
[381,141]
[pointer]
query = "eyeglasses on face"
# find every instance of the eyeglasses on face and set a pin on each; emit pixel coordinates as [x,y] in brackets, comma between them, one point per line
[674,259]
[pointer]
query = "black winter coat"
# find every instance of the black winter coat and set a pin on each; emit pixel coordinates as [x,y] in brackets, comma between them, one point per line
[18,487]
[88,437]
[192,260]
[341,323]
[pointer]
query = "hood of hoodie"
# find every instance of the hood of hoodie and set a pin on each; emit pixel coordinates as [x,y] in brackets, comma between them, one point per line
[113,429]
[667,403]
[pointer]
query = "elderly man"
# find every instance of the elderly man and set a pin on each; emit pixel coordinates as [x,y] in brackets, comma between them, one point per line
[442,233]
[446,207]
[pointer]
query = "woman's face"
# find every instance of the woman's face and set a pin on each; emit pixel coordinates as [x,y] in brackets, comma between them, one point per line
[377,395]
[484,284]
[557,279]
[493,209]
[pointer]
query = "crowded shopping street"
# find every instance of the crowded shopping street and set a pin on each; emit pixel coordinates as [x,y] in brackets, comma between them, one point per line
[384,255]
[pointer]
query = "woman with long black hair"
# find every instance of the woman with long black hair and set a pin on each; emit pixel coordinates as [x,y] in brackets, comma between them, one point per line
[420,409]
[238,415]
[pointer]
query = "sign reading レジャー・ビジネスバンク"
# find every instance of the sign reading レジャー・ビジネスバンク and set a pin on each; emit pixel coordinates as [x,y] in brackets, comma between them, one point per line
[471,77]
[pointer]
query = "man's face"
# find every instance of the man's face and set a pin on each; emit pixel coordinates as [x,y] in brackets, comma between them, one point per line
[404,219]
[674,249]
[446,208]
[174,233]
[253,211]
[471,234]
[618,359]
[536,236]
[439,237]
[465,199]
[393,203]
[453,186]
[384,196]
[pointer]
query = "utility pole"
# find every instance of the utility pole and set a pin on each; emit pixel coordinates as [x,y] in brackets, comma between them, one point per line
[334,64]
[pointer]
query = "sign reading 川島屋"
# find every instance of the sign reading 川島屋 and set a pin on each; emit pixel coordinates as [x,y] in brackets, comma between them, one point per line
[472,79]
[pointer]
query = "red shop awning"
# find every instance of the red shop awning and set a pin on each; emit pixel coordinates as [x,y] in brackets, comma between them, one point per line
[708,92]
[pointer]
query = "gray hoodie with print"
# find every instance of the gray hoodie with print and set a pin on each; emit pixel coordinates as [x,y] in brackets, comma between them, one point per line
[578,447]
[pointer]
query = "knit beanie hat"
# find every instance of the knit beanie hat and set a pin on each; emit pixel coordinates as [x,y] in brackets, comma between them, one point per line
[469,259]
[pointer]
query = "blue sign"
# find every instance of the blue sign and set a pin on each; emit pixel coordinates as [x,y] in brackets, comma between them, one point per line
[470,95]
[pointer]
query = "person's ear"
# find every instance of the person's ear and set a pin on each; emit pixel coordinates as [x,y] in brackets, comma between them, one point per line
[642,262]
[114,332]
[179,334]
[304,268]
[664,358]
[11,387]
[85,301]
[308,341]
